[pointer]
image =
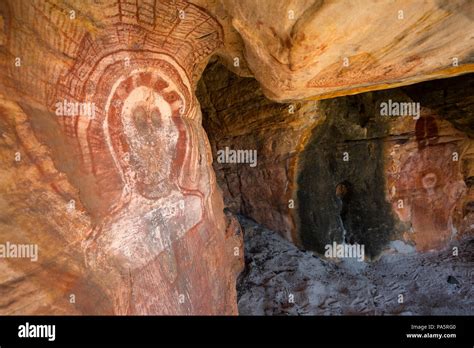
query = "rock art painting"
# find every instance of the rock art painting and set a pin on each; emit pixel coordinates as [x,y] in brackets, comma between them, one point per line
[153,230]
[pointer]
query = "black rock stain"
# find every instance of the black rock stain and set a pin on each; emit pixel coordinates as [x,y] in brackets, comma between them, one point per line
[336,195]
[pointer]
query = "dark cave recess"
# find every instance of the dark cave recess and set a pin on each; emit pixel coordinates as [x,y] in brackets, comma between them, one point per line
[341,181]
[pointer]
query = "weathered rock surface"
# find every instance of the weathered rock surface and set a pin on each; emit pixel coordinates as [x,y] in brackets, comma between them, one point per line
[106,168]
[238,116]
[280,279]
[312,48]
[403,174]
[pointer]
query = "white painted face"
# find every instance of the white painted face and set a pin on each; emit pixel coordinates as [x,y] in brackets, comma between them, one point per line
[139,234]
[152,137]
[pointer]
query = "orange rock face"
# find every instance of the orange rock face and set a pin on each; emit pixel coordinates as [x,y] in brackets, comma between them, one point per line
[340,169]
[238,116]
[315,49]
[428,177]
[115,145]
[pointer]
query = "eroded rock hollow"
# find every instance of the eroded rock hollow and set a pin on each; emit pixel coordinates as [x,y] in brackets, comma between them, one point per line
[112,196]
[335,170]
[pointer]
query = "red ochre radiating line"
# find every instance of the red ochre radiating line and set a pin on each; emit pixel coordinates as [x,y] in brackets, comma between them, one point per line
[53,25]
[98,61]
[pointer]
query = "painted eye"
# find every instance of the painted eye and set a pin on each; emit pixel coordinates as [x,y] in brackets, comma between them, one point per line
[171,97]
[429,180]
[139,119]
[156,118]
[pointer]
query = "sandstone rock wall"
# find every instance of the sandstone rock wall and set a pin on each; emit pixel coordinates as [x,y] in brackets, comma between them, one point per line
[105,165]
[322,49]
[403,176]
[352,174]
[237,116]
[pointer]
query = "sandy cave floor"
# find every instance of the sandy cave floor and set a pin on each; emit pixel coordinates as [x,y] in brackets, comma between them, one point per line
[432,283]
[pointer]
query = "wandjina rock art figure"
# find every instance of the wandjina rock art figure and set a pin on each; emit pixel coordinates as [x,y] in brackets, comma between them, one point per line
[153,211]
[150,160]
